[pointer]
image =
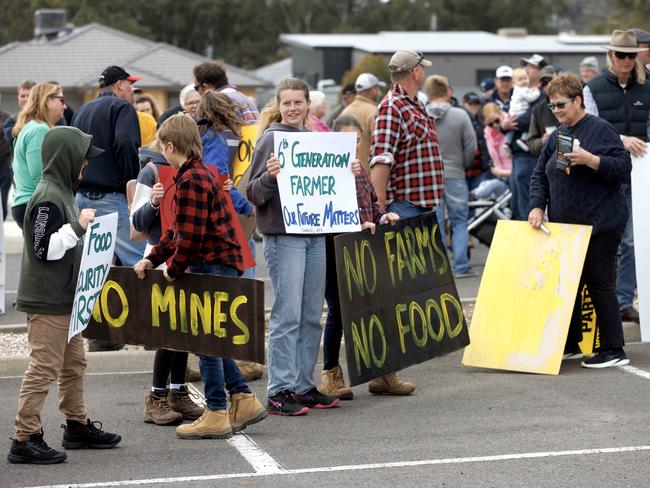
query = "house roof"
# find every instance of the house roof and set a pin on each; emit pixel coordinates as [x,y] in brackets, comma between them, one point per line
[276,72]
[461,42]
[78,58]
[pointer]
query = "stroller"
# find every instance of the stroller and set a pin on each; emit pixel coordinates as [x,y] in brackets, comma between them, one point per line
[484,215]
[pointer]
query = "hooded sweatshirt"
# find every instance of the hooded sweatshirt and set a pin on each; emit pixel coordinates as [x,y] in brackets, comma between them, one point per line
[262,189]
[53,246]
[456,138]
[144,216]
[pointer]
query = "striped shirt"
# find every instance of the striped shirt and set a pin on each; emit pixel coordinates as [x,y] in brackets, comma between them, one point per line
[405,136]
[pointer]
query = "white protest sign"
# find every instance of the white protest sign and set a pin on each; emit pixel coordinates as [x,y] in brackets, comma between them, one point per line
[99,246]
[640,212]
[316,182]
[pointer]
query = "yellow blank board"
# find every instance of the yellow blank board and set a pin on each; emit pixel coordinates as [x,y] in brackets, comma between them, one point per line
[526,298]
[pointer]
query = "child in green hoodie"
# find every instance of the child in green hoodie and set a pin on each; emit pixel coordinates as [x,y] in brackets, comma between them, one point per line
[53,231]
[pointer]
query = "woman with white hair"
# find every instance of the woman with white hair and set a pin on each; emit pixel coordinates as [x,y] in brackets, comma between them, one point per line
[317,109]
[190,99]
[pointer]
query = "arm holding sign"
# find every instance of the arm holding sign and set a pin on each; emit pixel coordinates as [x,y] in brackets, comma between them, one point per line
[539,186]
[262,185]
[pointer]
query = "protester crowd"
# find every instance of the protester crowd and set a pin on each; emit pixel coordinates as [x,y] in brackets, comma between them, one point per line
[417,152]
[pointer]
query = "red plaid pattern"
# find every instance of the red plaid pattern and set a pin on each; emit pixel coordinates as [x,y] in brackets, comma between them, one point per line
[405,135]
[202,229]
[369,211]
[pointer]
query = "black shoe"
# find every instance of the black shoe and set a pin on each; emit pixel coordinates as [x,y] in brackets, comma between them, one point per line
[607,359]
[283,403]
[80,436]
[315,399]
[629,314]
[34,451]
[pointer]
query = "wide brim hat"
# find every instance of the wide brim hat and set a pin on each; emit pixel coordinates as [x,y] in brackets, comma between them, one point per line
[624,41]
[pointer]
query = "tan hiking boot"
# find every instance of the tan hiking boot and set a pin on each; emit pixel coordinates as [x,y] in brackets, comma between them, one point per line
[192,375]
[212,424]
[180,401]
[157,410]
[333,384]
[245,409]
[390,384]
[250,371]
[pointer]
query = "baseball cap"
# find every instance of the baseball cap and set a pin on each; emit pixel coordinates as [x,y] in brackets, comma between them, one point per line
[590,62]
[406,59]
[504,72]
[536,60]
[487,84]
[365,81]
[641,36]
[349,89]
[93,152]
[113,74]
[547,72]
[471,97]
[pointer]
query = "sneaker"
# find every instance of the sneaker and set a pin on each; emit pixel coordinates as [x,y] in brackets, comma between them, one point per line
[283,403]
[315,399]
[34,451]
[212,424]
[573,352]
[89,435]
[332,384]
[180,402]
[630,314]
[158,411]
[245,409]
[607,359]
[250,371]
[390,384]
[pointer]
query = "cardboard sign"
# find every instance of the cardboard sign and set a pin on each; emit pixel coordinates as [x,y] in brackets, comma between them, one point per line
[167,174]
[99,246]
[316,182]
[243,156]
[204,314]
[640,212]
[524,305]
[399,303]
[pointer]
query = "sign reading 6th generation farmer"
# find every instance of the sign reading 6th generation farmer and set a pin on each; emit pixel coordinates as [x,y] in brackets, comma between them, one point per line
[316,182]
[99,245]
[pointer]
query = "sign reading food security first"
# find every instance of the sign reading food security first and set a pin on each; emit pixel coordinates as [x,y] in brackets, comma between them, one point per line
[316,182]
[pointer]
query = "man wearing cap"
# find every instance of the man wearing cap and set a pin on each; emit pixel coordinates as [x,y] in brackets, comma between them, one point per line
[364,109]
[487,88]
[533,67]
[589,69]
[347,96]
[622,97]
[405,162]
[479,170]
[643,41]
[503,92]
[542,120]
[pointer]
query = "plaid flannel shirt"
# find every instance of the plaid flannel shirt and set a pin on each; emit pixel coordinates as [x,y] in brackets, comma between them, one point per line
[369,211]
[405,135]
[202,229]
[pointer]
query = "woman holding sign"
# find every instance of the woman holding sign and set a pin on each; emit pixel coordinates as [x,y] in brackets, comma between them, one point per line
[578,180]
[296,265]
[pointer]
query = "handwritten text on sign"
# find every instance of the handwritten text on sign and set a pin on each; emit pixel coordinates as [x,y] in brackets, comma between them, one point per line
[316,182]
[399,303]
[99,245]
[200,313]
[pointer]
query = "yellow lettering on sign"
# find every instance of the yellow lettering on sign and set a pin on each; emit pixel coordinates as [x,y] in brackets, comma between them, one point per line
[202,309]
[219,316]
[241,339]
[163,303]
[118,321]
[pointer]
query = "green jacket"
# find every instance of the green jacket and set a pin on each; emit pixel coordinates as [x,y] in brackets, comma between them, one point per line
[48,286]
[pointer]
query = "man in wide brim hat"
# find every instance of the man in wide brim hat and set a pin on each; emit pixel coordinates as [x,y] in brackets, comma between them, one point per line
[624,41]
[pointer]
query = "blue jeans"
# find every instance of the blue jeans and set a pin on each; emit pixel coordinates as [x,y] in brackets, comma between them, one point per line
[406,209]
[626,282]
[522,169]
[250,272]
[297,269]
[126,251]
[456,198]
[219,374]
[475,181]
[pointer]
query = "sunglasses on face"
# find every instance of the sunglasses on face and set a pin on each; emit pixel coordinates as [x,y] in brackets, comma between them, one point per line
[58,97]
[560,105]
[621,55]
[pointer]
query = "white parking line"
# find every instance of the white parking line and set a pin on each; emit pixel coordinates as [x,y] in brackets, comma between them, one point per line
[107,373]
[358,467]
[639,372]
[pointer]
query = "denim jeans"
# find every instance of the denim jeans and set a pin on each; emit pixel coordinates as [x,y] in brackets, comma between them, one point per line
[522,169]
[475,181]
[250,272]
[219,374]
[626,283]
[406,209]
[456,198]
[333,323]
[297,269]
[126,251]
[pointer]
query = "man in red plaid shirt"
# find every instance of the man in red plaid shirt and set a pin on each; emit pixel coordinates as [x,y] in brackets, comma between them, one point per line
[406,167]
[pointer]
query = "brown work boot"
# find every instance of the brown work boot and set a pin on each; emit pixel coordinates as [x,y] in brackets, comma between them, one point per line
[245,409]
[390,384]
[191,375]
[333,384]
[212,424]
[157,410]
[180,401]
[250,371]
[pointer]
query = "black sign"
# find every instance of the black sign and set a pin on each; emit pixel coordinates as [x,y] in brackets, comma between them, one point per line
[399,303]
[200,313]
